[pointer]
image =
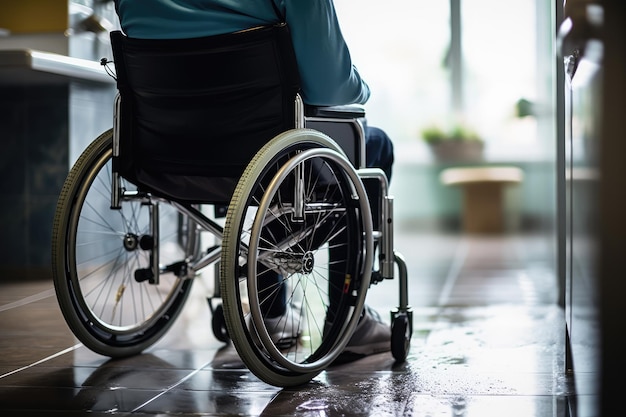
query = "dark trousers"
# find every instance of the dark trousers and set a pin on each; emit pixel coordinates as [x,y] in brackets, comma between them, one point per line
[378,150]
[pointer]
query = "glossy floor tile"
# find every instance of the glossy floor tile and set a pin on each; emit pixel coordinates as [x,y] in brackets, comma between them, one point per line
[488,341]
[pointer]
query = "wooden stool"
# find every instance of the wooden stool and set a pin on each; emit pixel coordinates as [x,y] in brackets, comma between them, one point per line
[483,195]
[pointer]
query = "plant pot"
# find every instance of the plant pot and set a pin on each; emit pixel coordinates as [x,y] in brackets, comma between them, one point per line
[458,151]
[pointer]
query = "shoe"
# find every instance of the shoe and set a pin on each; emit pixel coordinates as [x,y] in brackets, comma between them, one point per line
[371,336]
[283,330]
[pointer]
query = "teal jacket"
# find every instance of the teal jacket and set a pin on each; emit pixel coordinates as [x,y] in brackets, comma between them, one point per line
[327,74]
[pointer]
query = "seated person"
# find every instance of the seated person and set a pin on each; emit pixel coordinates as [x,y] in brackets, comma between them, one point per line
[327,77]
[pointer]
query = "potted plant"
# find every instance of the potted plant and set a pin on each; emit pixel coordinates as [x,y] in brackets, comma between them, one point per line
[459,144]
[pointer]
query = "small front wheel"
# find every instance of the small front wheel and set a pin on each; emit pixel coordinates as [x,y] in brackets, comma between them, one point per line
[401,331]
[218,324]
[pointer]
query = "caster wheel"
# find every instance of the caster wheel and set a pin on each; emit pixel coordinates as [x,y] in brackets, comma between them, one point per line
[401,331]
[218,322]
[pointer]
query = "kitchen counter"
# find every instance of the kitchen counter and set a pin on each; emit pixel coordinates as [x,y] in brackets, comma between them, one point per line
[31,67]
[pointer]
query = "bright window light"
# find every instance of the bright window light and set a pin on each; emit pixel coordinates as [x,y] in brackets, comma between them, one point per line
[400,48]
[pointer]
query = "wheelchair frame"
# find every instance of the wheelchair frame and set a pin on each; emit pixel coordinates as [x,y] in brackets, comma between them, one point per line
[81,289]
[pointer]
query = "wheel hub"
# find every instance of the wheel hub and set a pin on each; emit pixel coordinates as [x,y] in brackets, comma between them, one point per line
[131,242]
[308,262]
[289,263]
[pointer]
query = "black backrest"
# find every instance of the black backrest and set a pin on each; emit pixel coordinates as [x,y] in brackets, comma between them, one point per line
[195,111]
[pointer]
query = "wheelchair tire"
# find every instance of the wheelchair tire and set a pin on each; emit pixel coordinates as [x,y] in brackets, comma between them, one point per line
[96,252]
[268,232]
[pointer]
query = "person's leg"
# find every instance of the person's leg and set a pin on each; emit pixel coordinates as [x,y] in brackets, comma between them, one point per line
[283,327]
[378,154]
[272,293]
[372,335]
[378,150]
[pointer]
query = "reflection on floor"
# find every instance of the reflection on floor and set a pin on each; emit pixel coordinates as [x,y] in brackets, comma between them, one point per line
[488,341]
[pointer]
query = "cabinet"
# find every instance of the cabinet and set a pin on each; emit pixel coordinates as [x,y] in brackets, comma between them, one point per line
[582,52]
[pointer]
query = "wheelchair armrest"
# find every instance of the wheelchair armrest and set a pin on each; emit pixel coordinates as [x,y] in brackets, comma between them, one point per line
[350,111]
[343,124]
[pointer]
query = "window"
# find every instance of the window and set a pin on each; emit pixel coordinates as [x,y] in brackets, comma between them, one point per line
[403,50]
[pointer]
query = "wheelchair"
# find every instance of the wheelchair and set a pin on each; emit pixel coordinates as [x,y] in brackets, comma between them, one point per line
[210,138]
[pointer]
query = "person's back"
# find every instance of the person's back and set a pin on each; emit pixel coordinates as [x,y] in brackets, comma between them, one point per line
[327,77]
[326,71]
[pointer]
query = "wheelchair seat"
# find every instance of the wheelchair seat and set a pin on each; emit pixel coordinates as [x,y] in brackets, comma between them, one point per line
[193,109]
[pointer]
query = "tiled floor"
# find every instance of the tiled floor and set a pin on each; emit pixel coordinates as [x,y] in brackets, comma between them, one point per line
[488,341]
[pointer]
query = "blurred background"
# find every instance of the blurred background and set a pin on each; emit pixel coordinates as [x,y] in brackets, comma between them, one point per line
[466,65]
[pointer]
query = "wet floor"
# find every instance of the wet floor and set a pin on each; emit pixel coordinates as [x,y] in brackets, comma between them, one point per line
[488,341]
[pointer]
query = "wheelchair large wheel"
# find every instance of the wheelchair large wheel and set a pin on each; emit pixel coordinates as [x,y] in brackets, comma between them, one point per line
[100,257]
[297,237]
